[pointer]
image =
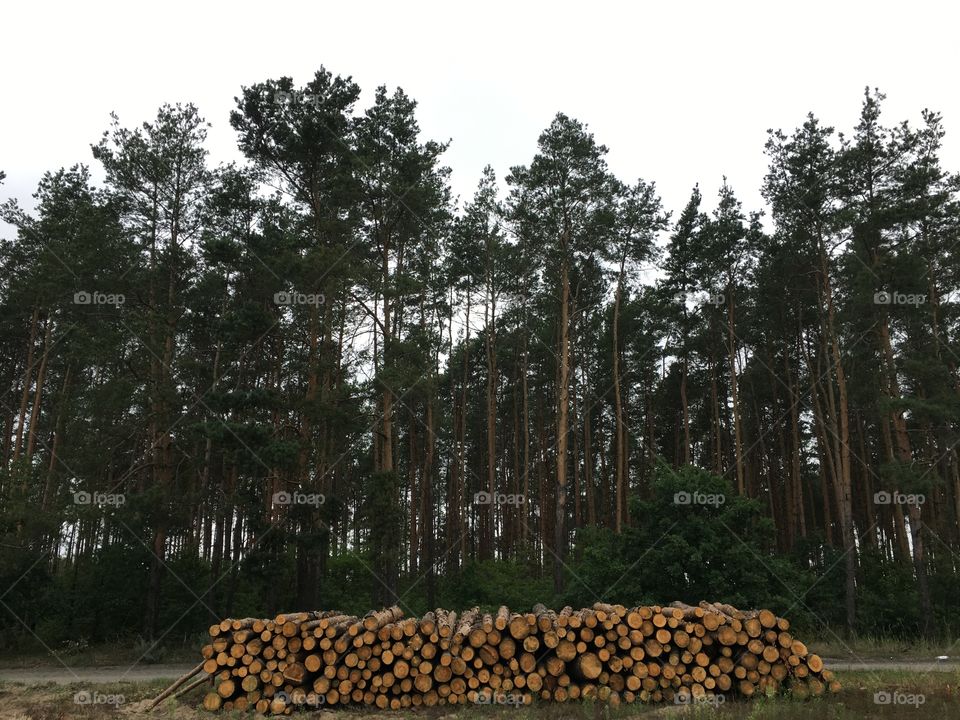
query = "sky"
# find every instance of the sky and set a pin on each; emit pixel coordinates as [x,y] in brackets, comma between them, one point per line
[680,92]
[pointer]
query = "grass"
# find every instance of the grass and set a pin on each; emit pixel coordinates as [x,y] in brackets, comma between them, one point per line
[856,701]
[877,648]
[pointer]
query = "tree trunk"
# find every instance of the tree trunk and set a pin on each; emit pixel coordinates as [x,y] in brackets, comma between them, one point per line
[563,400]
[905,457]
[38,393]
[686,409]
[462,499]
[796,449]
[27,374]
[588,481]
[843,489]
[486,549]
[525,504]
[49,489]
[427,504]
[620,463]
[737,432]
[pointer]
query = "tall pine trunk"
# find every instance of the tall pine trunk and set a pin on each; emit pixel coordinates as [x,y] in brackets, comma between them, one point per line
[563,401]
[620,438]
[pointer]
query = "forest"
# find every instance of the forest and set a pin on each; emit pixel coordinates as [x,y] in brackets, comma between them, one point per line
[316,379]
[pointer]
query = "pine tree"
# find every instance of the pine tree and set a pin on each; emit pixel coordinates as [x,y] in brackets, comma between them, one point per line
[568,188]
[640,217]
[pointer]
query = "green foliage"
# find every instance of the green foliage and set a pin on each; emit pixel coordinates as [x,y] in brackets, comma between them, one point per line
[102,598]
[490,584]
[894,611]
[692,539]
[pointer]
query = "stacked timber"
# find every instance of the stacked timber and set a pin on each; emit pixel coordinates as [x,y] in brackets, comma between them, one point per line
[678,653]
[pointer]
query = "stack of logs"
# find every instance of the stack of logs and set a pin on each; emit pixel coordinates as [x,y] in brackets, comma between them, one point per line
[679,653]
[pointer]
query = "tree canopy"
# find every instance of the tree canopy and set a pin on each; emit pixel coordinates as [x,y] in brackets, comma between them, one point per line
[313,379]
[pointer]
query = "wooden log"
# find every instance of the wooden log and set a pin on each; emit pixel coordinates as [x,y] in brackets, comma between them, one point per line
[588,666]
[212,701]
[226,688]
[464,625]
[374,620]
[546,618]
[177,683]
[518,627]
[767,619]
[203,680]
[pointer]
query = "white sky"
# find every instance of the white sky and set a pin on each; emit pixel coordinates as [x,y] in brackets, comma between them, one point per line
[679,91]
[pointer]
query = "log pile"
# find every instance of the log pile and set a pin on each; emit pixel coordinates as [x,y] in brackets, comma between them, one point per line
[677,653]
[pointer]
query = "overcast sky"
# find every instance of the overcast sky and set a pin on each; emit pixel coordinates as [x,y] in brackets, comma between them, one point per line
[681,92]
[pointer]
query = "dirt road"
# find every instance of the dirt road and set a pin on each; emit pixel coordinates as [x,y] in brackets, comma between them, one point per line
[104,674]
[951,665]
